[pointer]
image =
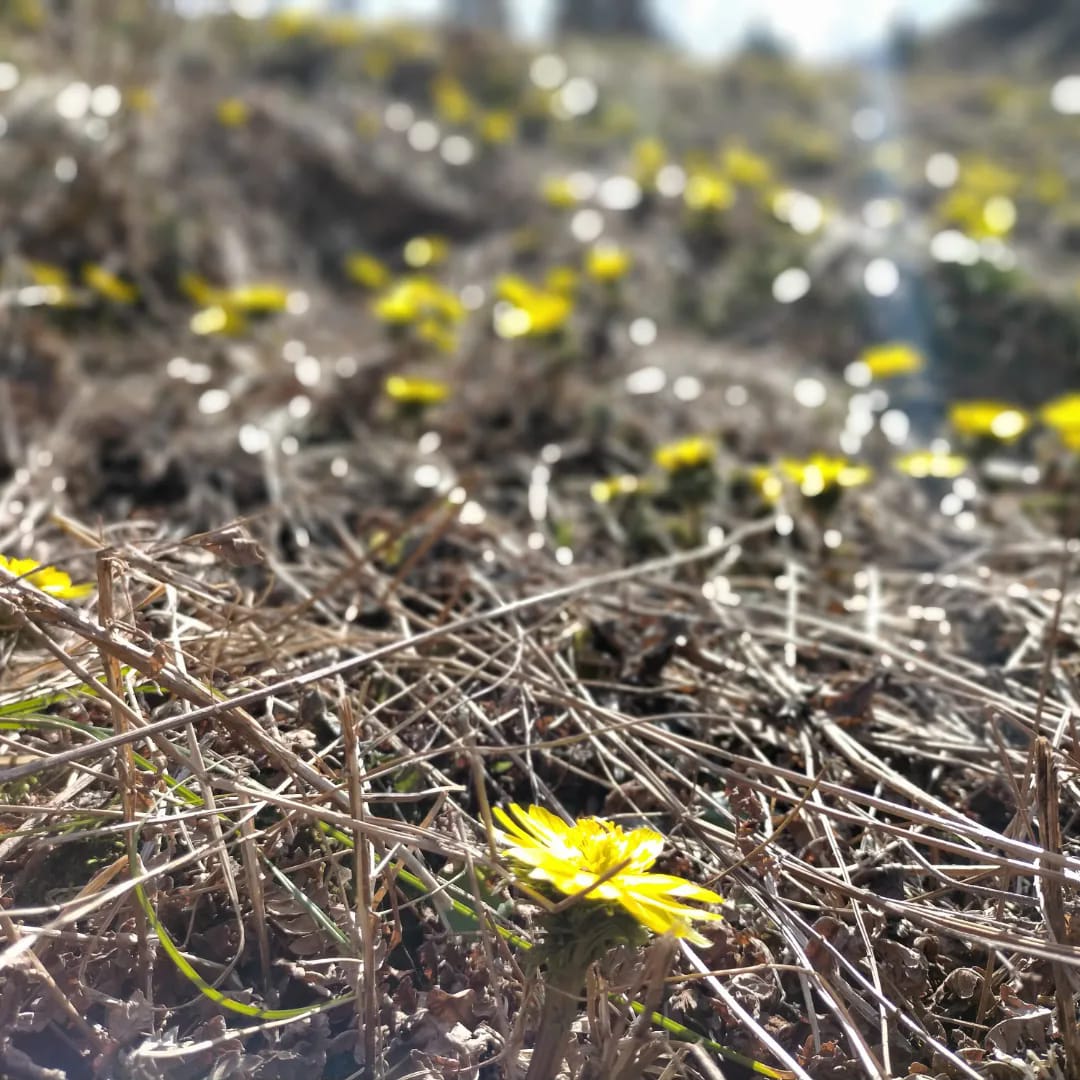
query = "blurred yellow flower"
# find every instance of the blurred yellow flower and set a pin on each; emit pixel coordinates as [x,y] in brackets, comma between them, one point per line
[529,311]
[414,299]
[497,127]
[690,453]
[939,464]
[616,487]
[649,156]
[1063,416]
[260,297]
[557,191]
[53,283]
[367,271]
[989,419]
[745,168]
[608,864]
[424,251]
[46,578]
[892,358]
[812,477]
[607,262]
[708,192]
[218,319]
[233,112]
[407,390]
[451,100]
[107,284]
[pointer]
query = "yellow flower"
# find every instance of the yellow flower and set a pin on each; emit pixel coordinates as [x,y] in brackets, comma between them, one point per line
[607,262]
[557,191]
[197,288]
[529,311]
[814,476]
[406,390]
[707,191]
[688,453]
[262,297]
[46,578]
[411,300]
[233,112]
[497,127]
[217,319]
[573,858]
[616,487]
[892,358]
[649,156]
[1063,415]
[746,168]
[939,464]
[423,251]
[105,283]
[53,283]
[451,100]
[989,419]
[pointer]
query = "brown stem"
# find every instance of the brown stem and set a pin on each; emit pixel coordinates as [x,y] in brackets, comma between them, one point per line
[562,989]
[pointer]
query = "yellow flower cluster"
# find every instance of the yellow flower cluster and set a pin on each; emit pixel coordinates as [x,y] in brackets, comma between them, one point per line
[419,303]
[813,476]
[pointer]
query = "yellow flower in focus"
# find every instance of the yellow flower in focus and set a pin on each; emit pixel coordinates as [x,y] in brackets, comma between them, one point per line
[745,168]
[406,390]
[616,487]
[607,262]
[941,465]
[1063,415]
[105,283]
[708,192]
[529,311]
[46,578]
[989,419]
[573,858]
[423,251]
[367,271]
[233,112]
[691,453]
[892,358]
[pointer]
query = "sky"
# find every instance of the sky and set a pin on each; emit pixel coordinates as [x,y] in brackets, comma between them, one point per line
[814,29]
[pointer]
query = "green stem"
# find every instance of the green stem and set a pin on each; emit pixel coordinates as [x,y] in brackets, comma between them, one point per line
[562,989]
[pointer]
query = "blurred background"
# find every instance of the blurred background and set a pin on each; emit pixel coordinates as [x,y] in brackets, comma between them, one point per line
[245,238]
